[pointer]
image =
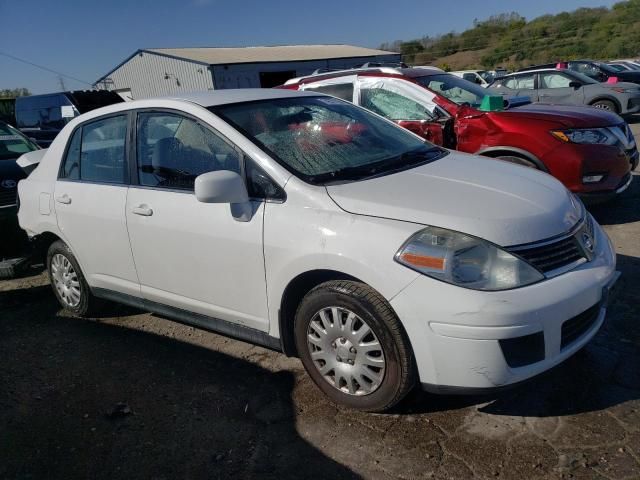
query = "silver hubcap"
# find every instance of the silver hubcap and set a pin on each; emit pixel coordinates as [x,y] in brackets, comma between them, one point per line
[603,107]
[345,351]
[65,280]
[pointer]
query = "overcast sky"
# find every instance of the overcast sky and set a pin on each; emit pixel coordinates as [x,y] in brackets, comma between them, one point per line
[86,39]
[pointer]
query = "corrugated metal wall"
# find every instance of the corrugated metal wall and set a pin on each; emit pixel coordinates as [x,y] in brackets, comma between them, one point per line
[145,74]
[248,75]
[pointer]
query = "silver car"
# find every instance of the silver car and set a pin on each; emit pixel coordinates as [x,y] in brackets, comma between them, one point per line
[566,87]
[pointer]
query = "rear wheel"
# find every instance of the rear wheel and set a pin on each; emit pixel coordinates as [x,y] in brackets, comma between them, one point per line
[605,105]
[68,282]
[352,345]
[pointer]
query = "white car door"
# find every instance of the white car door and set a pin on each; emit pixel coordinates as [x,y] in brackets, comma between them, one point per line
[90,196]
[191,255]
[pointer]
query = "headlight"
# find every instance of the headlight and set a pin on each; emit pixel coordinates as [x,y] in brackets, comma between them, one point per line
[601,136]
[465,261]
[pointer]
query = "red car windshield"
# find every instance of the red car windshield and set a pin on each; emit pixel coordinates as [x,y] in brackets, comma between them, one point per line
[13,143]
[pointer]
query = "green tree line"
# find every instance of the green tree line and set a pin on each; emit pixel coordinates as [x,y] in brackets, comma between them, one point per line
[14,92]
[510,40]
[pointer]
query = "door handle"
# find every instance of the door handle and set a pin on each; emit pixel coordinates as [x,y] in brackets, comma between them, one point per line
[142,210]
[65,199]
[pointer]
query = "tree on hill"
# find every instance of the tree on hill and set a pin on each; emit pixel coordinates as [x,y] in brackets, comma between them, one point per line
[509,40]
[14,92]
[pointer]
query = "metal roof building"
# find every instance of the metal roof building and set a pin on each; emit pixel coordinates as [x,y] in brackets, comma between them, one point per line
[165,71]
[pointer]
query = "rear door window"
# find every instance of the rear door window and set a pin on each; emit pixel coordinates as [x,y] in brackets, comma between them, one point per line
[97,152]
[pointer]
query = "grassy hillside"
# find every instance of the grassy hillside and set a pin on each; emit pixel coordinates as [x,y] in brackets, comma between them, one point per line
[511,41]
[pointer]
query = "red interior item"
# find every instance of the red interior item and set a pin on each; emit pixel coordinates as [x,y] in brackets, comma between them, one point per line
[612,80]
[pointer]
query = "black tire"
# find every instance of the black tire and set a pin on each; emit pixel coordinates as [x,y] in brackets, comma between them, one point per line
[400,370]
[517,160]
[607,105]
[88,303]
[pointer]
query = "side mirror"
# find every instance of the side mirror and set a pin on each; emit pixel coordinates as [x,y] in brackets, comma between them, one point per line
[222,186]
[575,85]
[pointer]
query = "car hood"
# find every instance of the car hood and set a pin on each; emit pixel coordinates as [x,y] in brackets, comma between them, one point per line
[10,170]
[504,203]
[567,116]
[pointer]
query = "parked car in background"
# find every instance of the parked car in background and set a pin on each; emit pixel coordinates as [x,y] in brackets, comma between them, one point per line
[13,144]
[43,116]
[599,71]
[481,77]
[13,241]
[589,150]
[625,65]
[566,87]
[301,222]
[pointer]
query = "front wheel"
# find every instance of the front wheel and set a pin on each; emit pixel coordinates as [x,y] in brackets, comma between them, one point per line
[353,346]
[605,105]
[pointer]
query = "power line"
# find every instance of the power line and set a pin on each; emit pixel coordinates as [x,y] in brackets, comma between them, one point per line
[17,59]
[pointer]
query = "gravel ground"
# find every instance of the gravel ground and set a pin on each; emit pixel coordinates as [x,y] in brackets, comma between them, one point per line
[131,395]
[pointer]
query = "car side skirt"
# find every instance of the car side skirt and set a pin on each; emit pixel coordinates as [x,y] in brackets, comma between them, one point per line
[216,325]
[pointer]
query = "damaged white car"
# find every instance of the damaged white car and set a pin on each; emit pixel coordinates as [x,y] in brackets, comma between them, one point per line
[306,224]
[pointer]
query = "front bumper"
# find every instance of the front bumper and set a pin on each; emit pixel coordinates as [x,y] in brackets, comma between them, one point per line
[569,162]
[456,333]
[594,198]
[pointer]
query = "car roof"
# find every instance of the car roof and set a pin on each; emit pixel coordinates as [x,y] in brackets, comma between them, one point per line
[410,72]
[239,95]
[537,70]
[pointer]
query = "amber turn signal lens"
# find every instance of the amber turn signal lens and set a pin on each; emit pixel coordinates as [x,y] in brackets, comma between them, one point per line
[423,261]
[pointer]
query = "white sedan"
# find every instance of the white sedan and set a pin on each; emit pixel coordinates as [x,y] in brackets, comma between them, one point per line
[306,224]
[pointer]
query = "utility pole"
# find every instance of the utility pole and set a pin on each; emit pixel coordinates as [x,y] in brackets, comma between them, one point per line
[62,85]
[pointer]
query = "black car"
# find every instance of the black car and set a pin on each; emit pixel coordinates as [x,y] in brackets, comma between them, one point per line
[12,145]
[599,71]
[13,241]
[42,117]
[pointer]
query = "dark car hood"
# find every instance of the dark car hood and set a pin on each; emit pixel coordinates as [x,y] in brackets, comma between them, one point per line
[9,170]
[567,116]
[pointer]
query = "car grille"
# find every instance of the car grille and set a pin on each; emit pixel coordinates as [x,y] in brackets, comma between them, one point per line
[624,135]
[8,197]
[551,255]
[577,326]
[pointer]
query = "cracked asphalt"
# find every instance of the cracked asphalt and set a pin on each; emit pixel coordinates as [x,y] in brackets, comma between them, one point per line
[132,395]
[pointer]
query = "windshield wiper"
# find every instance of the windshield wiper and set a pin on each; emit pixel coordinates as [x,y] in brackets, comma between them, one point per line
[389,165]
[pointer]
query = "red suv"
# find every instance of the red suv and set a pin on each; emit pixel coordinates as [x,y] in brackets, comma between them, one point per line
[591,151]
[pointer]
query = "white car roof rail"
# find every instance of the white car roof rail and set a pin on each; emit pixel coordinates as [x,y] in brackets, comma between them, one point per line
[347,70]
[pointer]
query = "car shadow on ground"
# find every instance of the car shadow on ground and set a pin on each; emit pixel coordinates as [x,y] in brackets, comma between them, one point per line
[604,374]
[84,399]
[621,210]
